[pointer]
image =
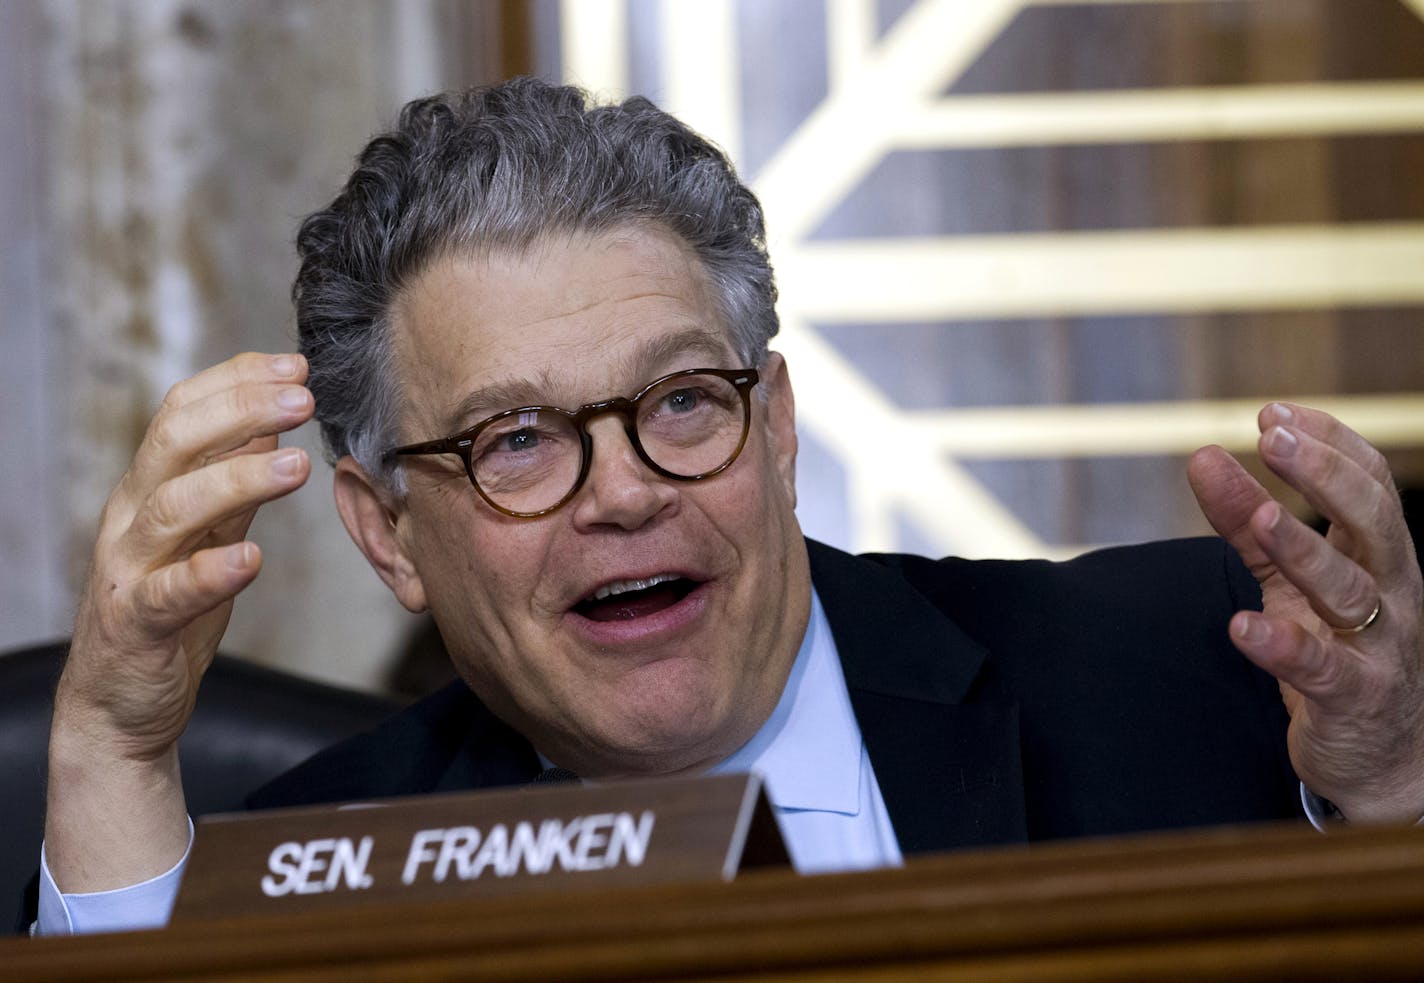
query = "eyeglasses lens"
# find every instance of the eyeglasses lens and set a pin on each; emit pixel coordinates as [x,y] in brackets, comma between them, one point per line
[688,426]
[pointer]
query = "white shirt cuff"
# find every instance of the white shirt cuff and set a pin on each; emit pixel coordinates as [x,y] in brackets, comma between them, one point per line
[1322,813]
[124,909]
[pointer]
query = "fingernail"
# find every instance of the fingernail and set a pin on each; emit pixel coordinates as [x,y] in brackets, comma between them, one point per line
[238,556]
[1252,630]
[293,399]
[285,365]
[287,464]
[1282,442]
[1281,413]
[1276,513]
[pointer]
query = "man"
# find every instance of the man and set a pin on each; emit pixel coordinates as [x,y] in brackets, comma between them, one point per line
[622,583]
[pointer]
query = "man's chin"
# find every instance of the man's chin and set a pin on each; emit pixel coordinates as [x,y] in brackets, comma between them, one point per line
[662,760]
[667,738]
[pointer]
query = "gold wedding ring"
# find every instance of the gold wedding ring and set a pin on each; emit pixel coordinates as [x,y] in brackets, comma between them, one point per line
[1363,624]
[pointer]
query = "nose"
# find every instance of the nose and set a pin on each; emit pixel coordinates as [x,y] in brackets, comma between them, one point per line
[620,489]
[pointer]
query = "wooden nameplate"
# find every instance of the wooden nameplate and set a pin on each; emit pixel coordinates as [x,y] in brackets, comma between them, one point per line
[510,841]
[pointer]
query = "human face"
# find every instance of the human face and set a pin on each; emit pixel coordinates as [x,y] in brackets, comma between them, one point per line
[663,680]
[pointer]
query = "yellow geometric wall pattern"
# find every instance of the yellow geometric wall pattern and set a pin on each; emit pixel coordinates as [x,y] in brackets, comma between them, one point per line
[886,93]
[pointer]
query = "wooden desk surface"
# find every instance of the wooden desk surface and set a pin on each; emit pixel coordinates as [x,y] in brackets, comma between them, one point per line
[1270,903]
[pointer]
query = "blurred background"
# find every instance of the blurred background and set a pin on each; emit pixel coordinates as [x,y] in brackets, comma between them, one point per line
[1031,252]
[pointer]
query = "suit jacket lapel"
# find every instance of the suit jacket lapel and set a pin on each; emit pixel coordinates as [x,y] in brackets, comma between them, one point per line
[490,753]
[945,751]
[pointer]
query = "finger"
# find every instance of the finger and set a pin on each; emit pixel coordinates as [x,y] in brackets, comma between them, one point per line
[1229,497]
[235,528]
[1337,588]
[1341,489]
[1329,675]
[212,428]
[287,467]
[183,511]
[257,445]
[1327,429]
[249,367]
[170,598]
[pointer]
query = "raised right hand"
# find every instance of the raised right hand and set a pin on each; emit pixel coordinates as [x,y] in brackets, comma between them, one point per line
[169,560]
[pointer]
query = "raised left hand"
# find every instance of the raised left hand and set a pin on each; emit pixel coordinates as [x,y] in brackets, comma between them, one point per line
[1341,629]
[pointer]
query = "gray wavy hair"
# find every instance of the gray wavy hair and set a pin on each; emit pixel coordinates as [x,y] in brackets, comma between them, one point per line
[498,169]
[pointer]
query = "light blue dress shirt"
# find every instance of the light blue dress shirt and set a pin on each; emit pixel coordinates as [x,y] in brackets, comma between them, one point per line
[810,753]
[818,775]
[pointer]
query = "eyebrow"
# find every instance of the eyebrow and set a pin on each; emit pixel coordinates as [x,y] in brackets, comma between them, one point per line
[643,364]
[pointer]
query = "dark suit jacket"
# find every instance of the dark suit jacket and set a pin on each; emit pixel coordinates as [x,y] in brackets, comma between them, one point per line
[1000,701]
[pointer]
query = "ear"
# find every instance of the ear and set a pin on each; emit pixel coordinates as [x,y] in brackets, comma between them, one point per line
[781,420]
[372,516]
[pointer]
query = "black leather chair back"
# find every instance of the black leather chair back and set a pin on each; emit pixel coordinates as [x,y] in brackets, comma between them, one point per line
[251,724]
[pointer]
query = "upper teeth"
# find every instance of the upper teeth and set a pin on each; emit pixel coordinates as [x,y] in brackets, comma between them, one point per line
[624,586]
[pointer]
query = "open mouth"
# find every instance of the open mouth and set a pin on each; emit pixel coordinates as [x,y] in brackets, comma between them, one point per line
[625,600]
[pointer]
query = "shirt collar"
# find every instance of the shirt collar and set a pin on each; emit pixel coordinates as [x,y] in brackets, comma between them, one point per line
[809,749]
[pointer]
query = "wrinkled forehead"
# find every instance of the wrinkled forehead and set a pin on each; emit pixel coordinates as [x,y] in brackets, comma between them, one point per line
[568,321]
[627,371]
